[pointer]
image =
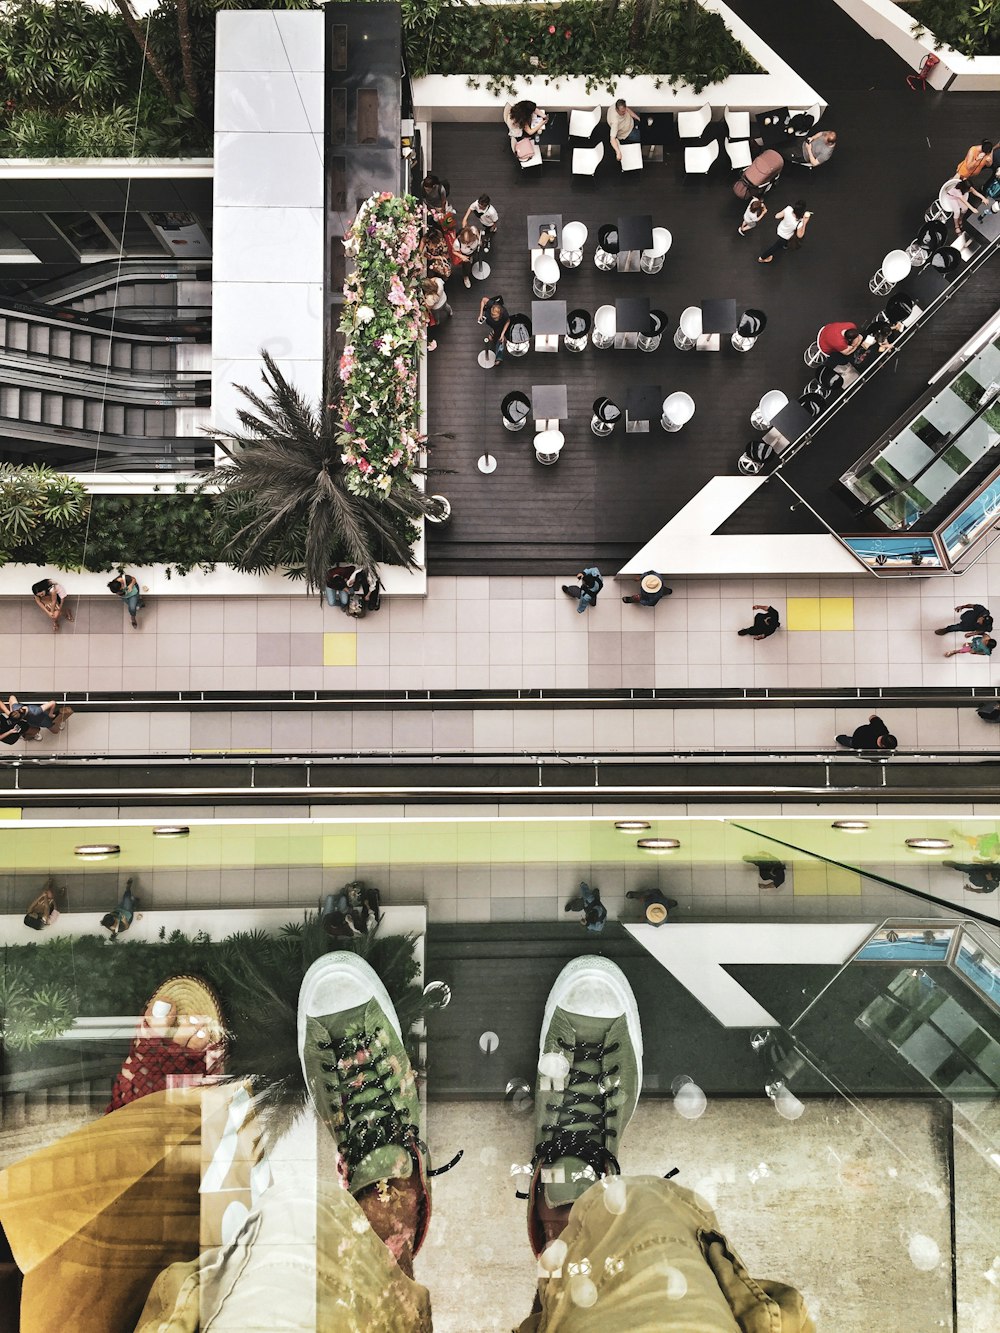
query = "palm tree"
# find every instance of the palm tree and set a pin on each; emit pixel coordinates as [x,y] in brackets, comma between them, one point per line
[284,499]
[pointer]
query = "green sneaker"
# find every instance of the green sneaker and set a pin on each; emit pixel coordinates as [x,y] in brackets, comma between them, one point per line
[589,1076]
[360,1078]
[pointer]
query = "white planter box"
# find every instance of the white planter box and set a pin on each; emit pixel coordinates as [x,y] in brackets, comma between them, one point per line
[893,24]
[449,98]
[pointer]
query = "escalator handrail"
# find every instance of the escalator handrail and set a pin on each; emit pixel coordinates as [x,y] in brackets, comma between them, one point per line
[175,331]
[97,277]
[48,373]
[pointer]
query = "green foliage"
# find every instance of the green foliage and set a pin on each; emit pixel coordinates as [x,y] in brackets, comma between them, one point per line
[37,502]
[44,986]
[31,1013]
[676,39]
[972,28]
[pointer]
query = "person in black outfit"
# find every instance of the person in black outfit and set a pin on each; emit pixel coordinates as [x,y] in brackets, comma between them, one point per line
[656,907]
[765,622]
[495,315]
[981,878]
[872,735]
[991,714]
[975,619]
[770,871]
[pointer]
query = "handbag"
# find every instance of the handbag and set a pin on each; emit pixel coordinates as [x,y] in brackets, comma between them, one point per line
[356,605]
[525,149]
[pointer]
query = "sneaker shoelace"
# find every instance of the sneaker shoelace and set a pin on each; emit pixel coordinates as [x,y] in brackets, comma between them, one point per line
[366,1078]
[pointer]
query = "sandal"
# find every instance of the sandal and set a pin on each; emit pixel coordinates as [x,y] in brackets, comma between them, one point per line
[180,1041]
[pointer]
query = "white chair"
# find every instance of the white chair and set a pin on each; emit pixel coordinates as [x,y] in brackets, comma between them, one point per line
[574,238]
[688,329]
[678,409]
[942,207]
[605,326]
[737,124]
[812,356]
[582,124]
[895,267]
[767,409]
[651,261]
[691,124]
[545,277]
[587,160]
[548,446]
[533,161]
[631,156]
[739,153]
[698,160]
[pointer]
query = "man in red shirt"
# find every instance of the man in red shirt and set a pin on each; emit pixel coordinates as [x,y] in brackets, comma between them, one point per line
[837,339]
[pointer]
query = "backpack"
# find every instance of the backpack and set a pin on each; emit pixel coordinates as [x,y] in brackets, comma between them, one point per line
[356,605]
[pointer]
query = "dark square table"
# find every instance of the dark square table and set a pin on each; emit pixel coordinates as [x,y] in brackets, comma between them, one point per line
[631,319]
[718,317]
[792,421]
[548,317]
[988,227]
[643,404]
[548,402]
[657,127]
[635,234]
[536,221]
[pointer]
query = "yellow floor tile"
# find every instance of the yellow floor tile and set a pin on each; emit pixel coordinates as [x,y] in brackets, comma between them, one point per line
[836,613]
[10,812]
[810,880]
[802,613]
[340,650]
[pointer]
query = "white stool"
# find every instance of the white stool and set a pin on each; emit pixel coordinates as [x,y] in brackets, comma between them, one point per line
[678,409]
[605,326]
[812,356]
[574,238]
[767,409]
[941,209]
[546,276]
[651,261]
[895,267]
[688,329]
[487,359]
[548,446]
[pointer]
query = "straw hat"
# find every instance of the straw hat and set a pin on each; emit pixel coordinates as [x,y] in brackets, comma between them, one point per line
[192,997]
[656,913]
[651,583]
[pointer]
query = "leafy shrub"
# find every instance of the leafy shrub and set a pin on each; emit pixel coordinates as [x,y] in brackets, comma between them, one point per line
[31,1013]
[972,28]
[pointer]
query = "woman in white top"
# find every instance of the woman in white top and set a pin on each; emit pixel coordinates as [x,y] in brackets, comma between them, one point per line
[792,221]
[51,598]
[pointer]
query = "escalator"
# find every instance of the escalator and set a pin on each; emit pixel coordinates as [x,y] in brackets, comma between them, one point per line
[109,368]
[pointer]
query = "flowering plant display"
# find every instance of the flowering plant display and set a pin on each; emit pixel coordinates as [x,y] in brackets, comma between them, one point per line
[383,324]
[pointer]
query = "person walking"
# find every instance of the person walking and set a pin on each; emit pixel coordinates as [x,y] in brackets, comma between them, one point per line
[433,191]
[652,589]
[45,717]
[126,586]
[488,219]
[755,211]
[977,159]
[122,916]
[495,315]
[465,249]
[588,901]
[765,622]
[980,877]
[655,905]
[51,598]
[871,735]
[974,619]
[770,871]
[586,594]
[979,645]
[43,910]
[792,223]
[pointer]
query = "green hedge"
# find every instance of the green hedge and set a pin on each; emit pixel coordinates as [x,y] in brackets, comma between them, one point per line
[970,26]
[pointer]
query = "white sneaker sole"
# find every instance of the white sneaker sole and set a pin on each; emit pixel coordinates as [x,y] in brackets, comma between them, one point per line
[337,981]
[602,975]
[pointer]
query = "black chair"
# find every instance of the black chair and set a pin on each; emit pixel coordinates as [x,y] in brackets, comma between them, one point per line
[813,403]
[827,384]
[753,457]
[945,260]
[577,331]
[519,336]
[515,411]
[649,342]
[899,307]
[749,327]
[606,254]
[606,416]
[931,237]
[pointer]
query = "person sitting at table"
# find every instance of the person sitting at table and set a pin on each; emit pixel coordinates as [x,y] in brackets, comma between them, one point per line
[839,340]
[818,148]
[957,194]
[623,123]
[495,315]
[525,120]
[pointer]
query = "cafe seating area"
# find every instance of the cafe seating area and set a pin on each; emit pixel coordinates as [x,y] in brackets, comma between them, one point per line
[650,287]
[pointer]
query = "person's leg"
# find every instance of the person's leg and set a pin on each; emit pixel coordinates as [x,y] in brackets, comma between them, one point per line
[772,251]
[132,602]
[748,630]
[329,595]
[571,590]
[949,629]
[633,598]
[845,741]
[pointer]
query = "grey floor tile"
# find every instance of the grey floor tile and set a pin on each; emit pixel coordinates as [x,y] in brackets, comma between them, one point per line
[273,650]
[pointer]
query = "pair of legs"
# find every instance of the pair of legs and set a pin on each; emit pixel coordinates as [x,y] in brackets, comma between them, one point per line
[772,251]
[55,607]
[336,596]
[585,600]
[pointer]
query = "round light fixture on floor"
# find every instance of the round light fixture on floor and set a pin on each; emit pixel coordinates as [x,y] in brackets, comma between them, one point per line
[631,825]
[96,851]
[850,825]
[929,844]
[658,845]
[171,831]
